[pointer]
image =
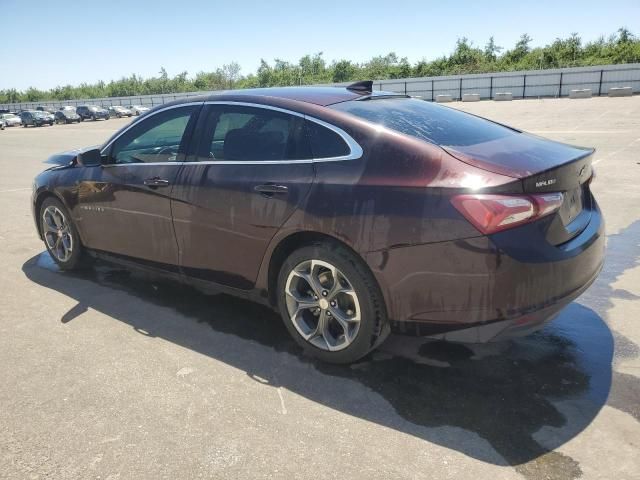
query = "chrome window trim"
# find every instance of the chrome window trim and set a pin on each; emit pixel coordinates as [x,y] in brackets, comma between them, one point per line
[355,150]
[142,164]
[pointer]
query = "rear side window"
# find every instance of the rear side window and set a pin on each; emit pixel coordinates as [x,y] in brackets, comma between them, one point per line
[426,121]
[325,143]
[249,134]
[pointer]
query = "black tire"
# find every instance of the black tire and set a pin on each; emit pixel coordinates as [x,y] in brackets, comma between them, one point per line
[373,327]
[94,118]
[81,119]
[76,258]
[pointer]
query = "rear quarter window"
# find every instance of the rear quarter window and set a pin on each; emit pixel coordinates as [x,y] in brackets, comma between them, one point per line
[325,143]
[427,121]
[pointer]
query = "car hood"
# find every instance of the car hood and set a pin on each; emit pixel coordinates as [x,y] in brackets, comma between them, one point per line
[68,157]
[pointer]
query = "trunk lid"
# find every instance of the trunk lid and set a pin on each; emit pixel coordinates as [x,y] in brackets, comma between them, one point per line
[542,166]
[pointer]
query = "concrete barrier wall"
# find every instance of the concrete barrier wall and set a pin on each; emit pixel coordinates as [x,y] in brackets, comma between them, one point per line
[620,92]
[580,93]
[503,96]
[470,97]
[444,98]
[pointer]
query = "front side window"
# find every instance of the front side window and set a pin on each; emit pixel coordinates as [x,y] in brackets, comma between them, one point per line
[156,139]
[240,133]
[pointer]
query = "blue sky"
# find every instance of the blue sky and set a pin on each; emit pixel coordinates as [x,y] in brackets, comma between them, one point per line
[44,44]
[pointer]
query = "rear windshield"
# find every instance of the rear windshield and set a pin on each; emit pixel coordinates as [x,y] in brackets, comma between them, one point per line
[426,121]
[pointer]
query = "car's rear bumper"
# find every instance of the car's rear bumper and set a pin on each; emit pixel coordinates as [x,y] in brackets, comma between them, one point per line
[484,288]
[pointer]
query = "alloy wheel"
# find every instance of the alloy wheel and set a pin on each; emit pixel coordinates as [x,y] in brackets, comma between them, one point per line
[57,233]
[322,305]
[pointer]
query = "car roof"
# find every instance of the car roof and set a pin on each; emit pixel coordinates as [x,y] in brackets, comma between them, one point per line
[321,95]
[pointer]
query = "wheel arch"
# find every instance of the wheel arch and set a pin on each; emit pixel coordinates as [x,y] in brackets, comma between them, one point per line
[40,198]
[294,241]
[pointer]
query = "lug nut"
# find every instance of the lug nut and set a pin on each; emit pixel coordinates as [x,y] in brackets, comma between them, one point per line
[324,293]
[328,314]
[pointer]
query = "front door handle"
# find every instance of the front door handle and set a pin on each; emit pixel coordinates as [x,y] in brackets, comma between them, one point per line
[156,182]
[270,189]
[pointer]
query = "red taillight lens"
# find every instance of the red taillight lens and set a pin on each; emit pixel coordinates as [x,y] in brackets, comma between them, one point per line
[492,213]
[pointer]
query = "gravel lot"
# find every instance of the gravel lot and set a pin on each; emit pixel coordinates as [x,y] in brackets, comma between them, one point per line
[110,375]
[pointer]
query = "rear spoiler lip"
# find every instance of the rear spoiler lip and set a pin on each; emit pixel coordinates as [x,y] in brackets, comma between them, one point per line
[463,157]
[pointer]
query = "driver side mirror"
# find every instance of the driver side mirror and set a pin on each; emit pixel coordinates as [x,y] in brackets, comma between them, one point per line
[90,158]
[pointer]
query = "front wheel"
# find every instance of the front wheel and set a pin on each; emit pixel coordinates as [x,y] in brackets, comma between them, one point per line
[331,303]
[60,234]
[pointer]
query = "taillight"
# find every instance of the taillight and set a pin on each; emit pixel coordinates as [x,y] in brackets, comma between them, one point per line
[493,213]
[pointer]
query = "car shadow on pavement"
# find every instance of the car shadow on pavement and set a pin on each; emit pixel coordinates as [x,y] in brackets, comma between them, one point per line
[510,403]
[504,393]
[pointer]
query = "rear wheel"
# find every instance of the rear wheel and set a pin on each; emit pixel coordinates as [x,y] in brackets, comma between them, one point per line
[331,304]
[60,234]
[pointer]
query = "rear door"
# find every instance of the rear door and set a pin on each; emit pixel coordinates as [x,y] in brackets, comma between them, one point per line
[251,170]
[125,205]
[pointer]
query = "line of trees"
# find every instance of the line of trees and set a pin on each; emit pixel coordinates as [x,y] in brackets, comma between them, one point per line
[621,47]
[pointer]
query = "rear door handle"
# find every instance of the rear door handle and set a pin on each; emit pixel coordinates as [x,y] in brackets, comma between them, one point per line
[270,189]
[156,182]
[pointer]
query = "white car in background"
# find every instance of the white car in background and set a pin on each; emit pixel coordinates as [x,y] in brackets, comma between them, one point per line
[138,109]
[11,120]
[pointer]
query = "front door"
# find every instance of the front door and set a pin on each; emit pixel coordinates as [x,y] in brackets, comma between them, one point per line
[124,206]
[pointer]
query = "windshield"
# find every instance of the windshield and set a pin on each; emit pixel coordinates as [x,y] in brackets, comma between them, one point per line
[427,121]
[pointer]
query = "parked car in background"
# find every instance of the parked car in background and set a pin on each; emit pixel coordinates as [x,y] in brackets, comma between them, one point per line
[36,118]
[67,107]
[66,116]
[118,111]
[50,110]
[350,211]
[11,119]
[92,112]
[138,109]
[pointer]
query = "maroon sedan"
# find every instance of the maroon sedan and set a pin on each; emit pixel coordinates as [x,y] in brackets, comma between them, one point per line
[352,212]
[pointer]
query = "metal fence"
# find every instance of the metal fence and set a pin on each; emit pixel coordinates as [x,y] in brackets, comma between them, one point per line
[526,84]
